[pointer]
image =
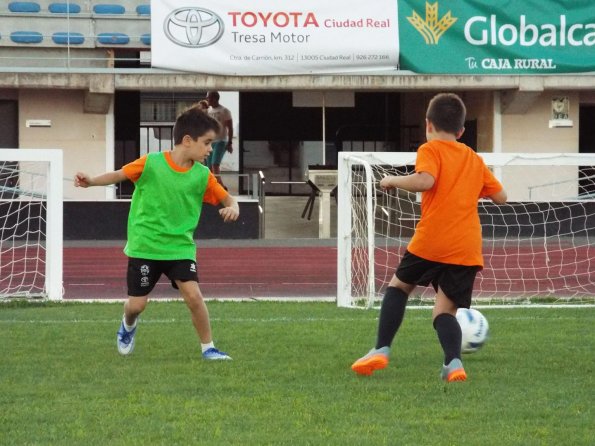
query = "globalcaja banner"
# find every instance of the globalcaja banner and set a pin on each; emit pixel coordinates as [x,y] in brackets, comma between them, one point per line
[497,36]
[274,37]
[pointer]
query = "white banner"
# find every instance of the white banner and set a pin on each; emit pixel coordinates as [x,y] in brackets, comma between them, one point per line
[274,37]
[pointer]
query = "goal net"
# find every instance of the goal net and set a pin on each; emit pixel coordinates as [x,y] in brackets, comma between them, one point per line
[31,223]
[537,247]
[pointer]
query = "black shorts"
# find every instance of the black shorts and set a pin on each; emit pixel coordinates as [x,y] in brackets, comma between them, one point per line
[144,274]
[456,281]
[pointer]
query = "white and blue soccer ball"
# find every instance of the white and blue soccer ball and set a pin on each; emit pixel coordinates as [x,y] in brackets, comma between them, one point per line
[475,329]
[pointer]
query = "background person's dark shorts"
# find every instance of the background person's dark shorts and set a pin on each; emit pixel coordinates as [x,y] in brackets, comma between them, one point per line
[455,280]
[143,274]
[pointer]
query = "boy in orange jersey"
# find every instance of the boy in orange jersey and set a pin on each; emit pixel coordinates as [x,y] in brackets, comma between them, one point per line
[170,188]
[445,250]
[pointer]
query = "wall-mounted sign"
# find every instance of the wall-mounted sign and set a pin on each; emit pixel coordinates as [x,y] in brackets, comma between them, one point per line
[272,37]
[497,36]
[560,116]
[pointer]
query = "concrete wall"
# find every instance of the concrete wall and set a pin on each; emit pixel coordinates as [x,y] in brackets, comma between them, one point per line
[82,136]
[530,132]
[87,138]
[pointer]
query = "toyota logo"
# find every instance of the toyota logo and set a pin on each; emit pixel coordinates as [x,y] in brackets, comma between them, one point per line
[193,27]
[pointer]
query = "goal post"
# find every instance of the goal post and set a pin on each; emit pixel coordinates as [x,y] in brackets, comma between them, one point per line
[31,222]
[540,245]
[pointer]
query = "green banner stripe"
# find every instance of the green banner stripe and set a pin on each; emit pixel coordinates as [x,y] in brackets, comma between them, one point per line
[497,37]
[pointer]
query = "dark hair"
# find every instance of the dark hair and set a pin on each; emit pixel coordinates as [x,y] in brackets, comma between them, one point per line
[213,94]
[447,113]
[194,123]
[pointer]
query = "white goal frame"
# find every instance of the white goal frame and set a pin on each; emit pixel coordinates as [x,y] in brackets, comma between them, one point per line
[346,161]
[53,281]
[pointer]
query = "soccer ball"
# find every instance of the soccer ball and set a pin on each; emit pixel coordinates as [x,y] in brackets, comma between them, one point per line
[474,327]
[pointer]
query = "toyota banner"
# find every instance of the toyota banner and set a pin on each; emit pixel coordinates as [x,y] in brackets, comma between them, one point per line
[274,37]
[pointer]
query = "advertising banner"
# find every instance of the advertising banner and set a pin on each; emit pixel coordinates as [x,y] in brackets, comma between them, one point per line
[274,37]
[497,36]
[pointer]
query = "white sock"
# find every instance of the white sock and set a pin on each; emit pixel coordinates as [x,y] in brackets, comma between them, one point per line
[126,326]
[205,347]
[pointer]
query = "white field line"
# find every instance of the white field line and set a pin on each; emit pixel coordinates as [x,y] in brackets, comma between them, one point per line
[273,320]
[330,299]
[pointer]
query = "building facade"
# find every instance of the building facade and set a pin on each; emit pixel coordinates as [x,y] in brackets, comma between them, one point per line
[82,69]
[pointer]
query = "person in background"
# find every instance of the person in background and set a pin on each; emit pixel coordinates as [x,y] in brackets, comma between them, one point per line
[224,140]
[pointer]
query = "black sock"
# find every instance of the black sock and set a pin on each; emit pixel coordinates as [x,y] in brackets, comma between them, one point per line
[391,315]
[449,335]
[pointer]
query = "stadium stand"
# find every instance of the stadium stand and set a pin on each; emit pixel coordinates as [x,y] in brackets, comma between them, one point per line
[24,7]
[26,37]
[113,39]
[143,9]
[109,9]
[65,38]
[91,24]
[64,8]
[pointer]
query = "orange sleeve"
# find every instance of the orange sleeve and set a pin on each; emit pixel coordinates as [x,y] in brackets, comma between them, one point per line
[490,184]
[215,193]
[427,161]
[134,169]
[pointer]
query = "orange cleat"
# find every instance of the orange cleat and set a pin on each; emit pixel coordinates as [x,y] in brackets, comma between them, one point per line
[376,359]
[454,371]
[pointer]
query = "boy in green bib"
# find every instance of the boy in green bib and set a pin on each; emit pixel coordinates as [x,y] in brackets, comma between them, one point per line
[170,188]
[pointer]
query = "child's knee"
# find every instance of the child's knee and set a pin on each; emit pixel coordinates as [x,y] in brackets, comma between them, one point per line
[135,305]
[194,301]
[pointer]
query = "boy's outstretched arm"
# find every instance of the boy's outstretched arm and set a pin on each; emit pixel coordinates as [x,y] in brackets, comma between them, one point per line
[416,182]
[230,210]
[499,197]
[83,180]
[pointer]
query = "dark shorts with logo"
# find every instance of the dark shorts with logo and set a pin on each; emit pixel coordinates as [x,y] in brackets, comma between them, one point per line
[144,274]
[456,281]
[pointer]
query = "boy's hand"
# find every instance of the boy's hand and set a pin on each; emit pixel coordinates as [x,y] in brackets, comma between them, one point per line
[386,182]
[82,180]
[230,213]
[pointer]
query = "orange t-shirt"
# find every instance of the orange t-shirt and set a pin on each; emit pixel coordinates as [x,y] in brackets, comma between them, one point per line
[449,230]
[214,193]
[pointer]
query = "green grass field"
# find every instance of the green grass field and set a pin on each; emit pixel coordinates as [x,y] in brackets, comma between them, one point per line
[62,381]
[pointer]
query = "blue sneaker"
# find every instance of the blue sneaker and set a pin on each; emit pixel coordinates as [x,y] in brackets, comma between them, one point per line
[454,371]
[125,340]
[213,354]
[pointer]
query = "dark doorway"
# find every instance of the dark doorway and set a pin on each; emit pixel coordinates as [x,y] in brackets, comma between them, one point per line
[470,134]
[127,136]
[281,139]
[586,141]
[9,139]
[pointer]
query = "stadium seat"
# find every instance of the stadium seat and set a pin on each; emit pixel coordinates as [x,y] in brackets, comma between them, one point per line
[109,9]
[113,38]
[64,8]
[64,38]
[143,9]
[146,39]
[24,7]
[26,37]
